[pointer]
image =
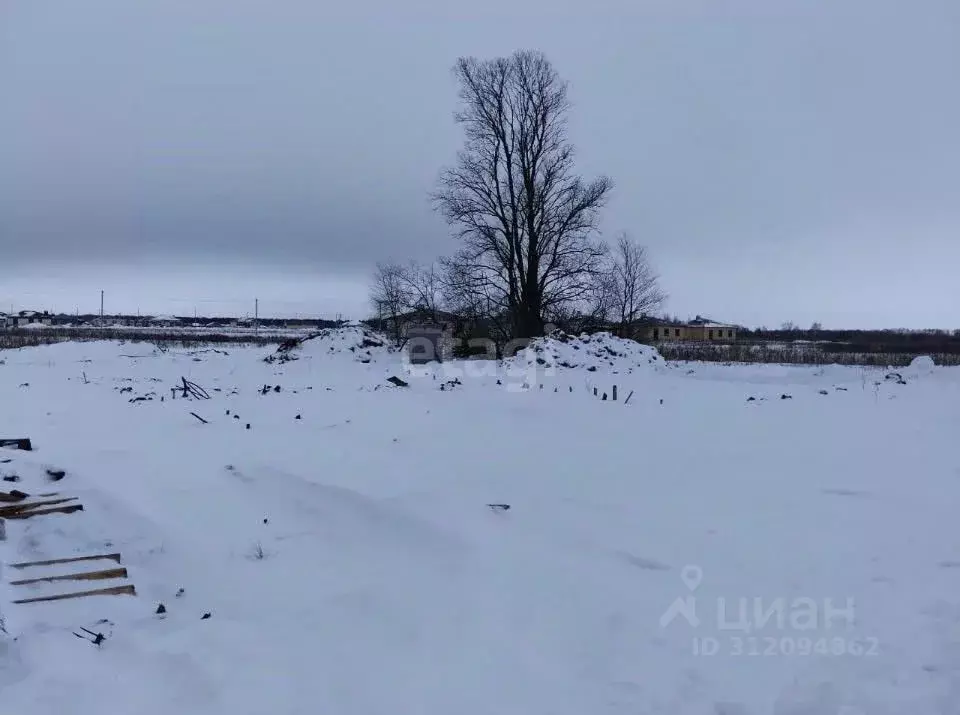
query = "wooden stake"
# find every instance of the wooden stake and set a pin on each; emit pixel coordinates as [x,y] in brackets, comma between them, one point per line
[113,591]
[71,560]
[628,397]
[103,575]
[614,393]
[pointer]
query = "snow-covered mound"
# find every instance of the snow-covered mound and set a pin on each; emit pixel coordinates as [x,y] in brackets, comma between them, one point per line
[921,365]
[364,344]
[599,351]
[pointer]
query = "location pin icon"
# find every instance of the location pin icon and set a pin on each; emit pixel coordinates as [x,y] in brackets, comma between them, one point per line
[691,576]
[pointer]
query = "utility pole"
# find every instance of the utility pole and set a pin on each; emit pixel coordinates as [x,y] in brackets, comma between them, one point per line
[101,307]
[256,316]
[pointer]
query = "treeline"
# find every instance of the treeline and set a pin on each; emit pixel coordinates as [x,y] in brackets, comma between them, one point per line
[780,353]
[922,342]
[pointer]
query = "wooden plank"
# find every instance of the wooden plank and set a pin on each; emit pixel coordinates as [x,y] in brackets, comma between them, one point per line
[69,509]
[103,575]
[17,443]
[26,506]
[70,560]
[129,590]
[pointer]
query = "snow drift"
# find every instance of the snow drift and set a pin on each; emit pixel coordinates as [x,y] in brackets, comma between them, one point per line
[362,343]
[921,365]
[589,352]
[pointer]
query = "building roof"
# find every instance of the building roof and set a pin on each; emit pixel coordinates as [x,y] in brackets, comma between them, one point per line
[700,321]
[424,313]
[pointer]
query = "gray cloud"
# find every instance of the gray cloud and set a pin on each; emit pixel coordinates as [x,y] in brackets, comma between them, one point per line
[796,160]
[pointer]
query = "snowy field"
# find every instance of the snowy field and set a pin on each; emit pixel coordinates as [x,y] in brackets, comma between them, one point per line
[689,551]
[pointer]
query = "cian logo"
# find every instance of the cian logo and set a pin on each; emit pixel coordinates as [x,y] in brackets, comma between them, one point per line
[685,606]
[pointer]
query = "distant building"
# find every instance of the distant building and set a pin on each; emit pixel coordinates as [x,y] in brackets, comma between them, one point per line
[426,343]
[165,321]
[415,319]
[427,334]
[29,317]
[697,330]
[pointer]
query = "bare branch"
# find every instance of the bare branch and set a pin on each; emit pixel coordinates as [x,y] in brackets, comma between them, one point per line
[391,295]
[631,288]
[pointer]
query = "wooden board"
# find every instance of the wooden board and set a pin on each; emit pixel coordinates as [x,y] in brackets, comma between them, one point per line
[69,509]
[103,575]
[129,590]
[26,506]
[69,560]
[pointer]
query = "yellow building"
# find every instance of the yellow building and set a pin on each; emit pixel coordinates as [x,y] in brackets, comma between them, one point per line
[697,330]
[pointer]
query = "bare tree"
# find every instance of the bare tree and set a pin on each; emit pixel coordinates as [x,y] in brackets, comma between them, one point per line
[632,287]
[423,285]
[527,222]
[391,295]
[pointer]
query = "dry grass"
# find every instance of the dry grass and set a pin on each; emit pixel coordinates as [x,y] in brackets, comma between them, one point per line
[13,338]
[805,354]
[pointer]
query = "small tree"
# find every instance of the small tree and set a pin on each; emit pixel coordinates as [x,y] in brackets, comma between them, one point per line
[391,296]
[631,288]
[423,286]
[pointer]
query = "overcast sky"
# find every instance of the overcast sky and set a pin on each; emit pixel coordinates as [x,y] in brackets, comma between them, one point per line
[789,160]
